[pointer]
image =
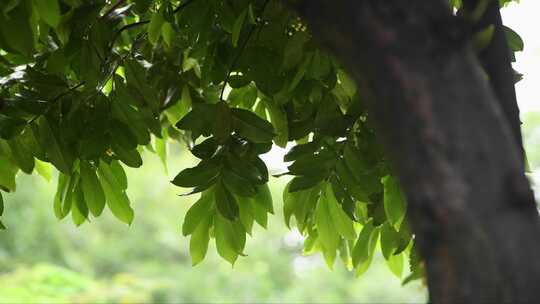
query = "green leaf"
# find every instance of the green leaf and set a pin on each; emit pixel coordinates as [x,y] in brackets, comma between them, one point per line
[199,120]
[136,79]
[88,65]
[43,169]
[8,171]
[299,73]
[350,182]
[167,32]
[246,95]
[344,253]
[395,264]
[319,66]
[237,27]
[355,161]
[294,50]
[315,164]
[278,117]
[253,171]
[206,149]
[122,134]
[79,209]
[198,212]
[348,85]
[129,115]
[49,11]
[260,214]
[10,127]
[344,198]
[360,251]
[230,238]
[191,64]
[237,184]
[416,266]
[238,81]
[364,265]
[514,40]
[311,243]
[252,127]
[300,204]
[394,201]
[222,123]
[199,175]
[198,244]
[21,154]
[251,14]
[131,157]
[91,189]
[300,151]
[263,197]
[154,27]
[61,192]
[70,196]
[56,151]
[305,182]
[329,257]
[117,199]
[341,221]
[142,5]
[161,149]
[246,213]
[16,29]
[119,174]
[225,202]
[405,237]
[389,240]
[328,235]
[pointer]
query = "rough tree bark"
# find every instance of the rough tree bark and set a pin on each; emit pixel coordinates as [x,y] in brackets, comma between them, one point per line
[470,204]
[496,61]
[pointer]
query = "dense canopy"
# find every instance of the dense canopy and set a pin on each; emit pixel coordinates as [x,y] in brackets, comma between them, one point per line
[86,86]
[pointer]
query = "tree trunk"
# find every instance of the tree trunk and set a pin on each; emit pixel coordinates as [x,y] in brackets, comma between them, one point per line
[496,61]
[470,204]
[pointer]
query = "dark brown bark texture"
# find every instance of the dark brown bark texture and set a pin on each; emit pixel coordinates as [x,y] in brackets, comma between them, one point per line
[496,61]
[469,202]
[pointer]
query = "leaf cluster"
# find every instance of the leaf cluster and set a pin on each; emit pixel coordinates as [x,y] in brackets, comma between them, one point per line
[87,85]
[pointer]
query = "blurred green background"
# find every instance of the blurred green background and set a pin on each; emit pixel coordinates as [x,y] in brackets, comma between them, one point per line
[43,260]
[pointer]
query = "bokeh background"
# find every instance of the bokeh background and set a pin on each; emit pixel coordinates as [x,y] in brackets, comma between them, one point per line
[47,261]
